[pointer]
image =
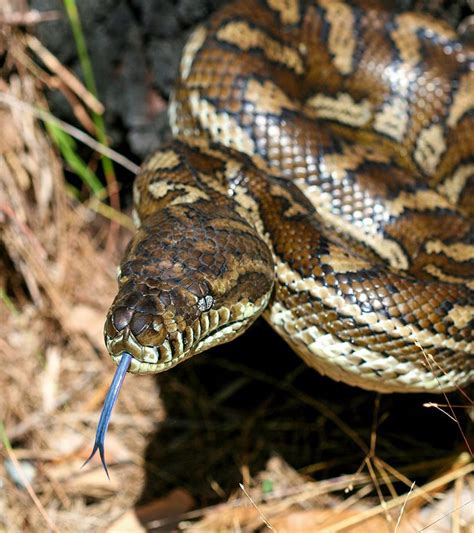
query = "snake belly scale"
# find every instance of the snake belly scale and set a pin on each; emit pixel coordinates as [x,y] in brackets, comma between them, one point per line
[321,175]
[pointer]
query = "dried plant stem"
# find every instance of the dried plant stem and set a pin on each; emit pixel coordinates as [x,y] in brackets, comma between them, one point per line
[66,76]
[72,130]
[26,483]
[262,516]
[86,65]
[400,500]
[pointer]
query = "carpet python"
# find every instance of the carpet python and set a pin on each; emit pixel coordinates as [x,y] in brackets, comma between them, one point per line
[321,175]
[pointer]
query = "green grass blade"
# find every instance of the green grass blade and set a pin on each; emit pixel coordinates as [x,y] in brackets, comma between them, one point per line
[8,303]
[67,146]
[4,437]
[86,65]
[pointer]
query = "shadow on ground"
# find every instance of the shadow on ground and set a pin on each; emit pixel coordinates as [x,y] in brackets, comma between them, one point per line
[242,402]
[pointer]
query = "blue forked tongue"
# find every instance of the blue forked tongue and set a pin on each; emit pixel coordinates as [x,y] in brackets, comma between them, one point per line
[110,399]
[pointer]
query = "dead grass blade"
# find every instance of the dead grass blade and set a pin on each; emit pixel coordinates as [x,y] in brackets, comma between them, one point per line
[64,74]
[9,451]
[86,139]
[400,500]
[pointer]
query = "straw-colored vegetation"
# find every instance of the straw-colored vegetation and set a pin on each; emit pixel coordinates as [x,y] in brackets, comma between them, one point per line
[59,243]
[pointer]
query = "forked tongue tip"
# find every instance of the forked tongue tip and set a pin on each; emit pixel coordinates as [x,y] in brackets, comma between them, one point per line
[110,399]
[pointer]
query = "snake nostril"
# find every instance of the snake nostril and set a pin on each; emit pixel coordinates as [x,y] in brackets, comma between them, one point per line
[151,336]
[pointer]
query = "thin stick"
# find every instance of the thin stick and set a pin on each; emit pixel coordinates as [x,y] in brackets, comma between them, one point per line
[376,484]
[392,504]
[78,134]
[445,515]
[53,63]
[24,479]
[109,212]
[88,72]
[262,516]
[402,510]
[28,18]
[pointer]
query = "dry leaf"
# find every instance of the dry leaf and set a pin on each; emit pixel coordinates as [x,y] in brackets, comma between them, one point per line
[175,503]
[126,523]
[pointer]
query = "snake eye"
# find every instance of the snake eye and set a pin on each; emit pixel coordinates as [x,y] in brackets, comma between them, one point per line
[204,304]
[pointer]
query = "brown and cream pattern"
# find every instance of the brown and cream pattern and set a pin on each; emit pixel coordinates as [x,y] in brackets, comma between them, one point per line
[321,175]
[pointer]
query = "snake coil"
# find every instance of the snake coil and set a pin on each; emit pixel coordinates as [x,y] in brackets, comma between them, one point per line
[322,174]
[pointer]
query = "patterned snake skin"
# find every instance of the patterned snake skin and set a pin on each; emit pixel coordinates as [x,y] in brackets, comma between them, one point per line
[322,175]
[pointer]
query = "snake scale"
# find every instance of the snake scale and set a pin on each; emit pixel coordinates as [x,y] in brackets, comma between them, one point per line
[321,175]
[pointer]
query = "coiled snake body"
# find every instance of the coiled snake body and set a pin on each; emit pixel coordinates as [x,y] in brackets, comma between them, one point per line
[323,175]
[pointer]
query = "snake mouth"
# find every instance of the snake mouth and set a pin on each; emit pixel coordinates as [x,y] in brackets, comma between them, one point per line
[126,362]
[143,367]
[218,335]
[212,328]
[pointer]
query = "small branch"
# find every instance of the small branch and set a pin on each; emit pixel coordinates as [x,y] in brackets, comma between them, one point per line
[402,510]
[72,130]
[24,480]
[54,65]
[262,516]
[399,501]
[28,18]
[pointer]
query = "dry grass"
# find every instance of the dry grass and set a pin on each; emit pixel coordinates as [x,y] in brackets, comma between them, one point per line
[231,420]
[56,281]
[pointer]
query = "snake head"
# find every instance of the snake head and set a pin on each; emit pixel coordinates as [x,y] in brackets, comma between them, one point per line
[194,275]
[188,282]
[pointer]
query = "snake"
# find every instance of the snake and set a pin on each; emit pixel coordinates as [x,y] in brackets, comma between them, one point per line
[321,174]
